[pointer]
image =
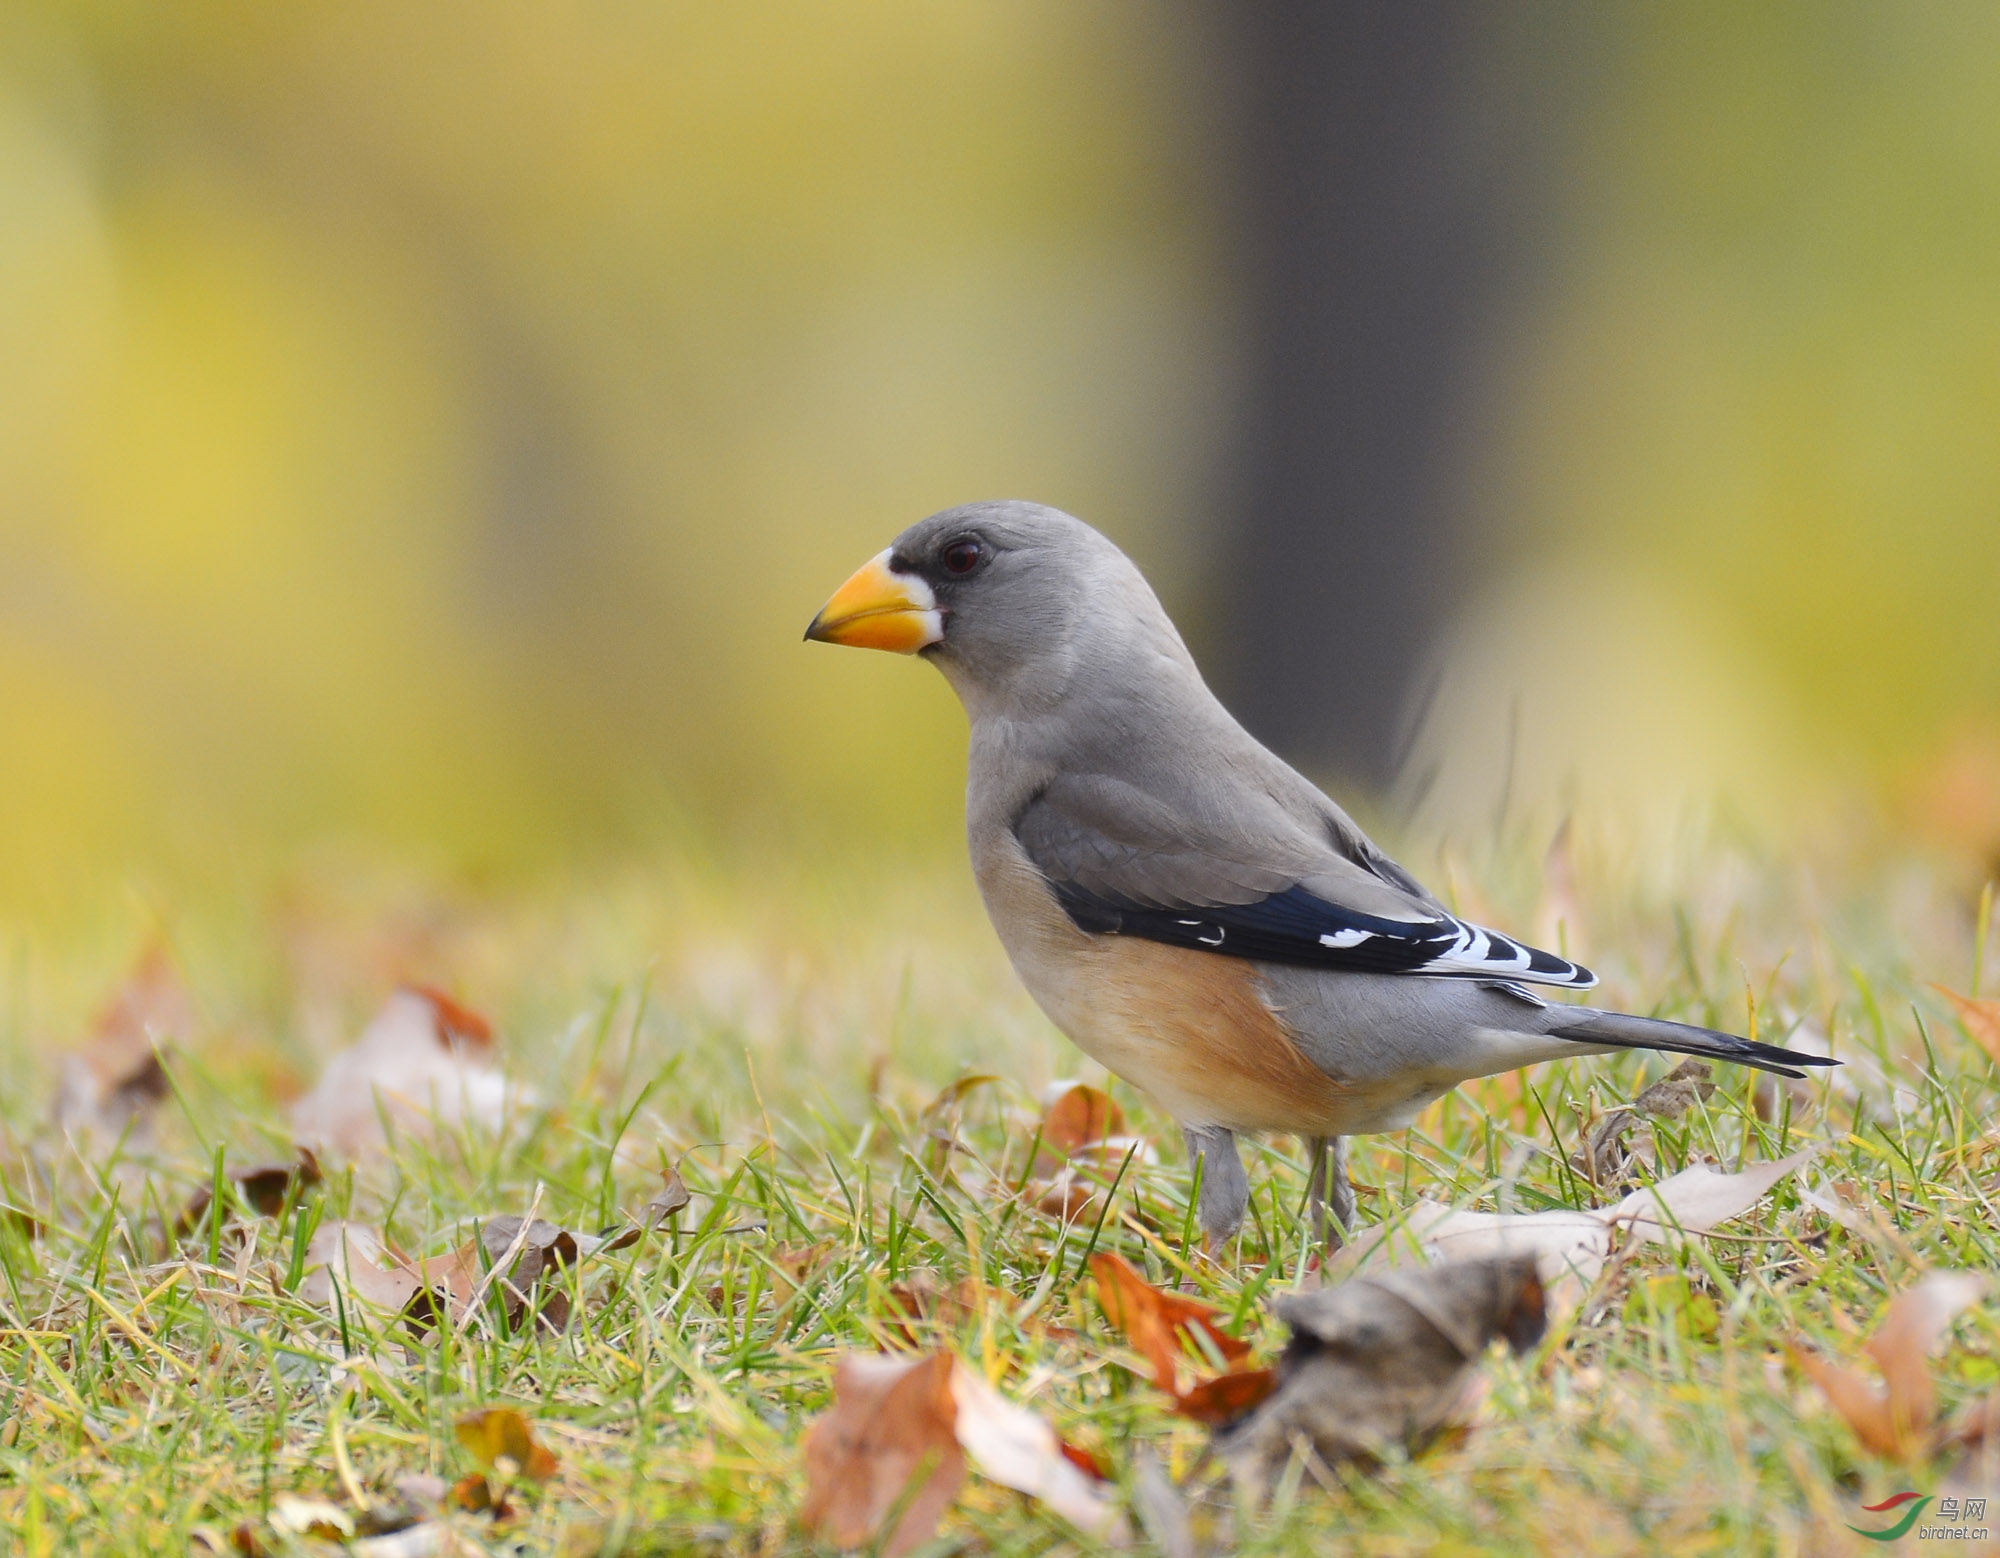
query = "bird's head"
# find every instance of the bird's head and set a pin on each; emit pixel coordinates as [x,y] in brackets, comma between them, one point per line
[1008,599]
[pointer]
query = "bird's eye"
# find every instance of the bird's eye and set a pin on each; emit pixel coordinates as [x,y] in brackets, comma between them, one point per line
[961,557]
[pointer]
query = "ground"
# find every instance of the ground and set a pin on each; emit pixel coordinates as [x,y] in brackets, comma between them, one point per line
[782,1037]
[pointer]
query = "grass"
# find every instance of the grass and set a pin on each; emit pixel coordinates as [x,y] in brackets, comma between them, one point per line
[784,1048]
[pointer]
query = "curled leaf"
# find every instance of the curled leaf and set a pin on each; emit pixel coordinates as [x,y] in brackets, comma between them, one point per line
[1572,1246]
[1382,1361]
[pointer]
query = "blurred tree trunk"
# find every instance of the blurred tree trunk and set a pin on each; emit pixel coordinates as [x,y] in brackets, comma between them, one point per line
[1379,154]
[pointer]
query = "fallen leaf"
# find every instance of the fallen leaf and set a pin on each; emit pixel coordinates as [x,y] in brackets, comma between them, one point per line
[897,1420]
[1980,1019]
[672,1195]
[1605,1160]
[1080,1116]
[1157,1323]
[1154,1320]
[892,1422]
[263,1188]
[439,1289]
[111,1086]
[424,1062]
[1897,1418]
[427,1539]
[1017,1449]
[502,1441]
[296,1516]
[1571,1246]
[355,1260]
[1382,1361]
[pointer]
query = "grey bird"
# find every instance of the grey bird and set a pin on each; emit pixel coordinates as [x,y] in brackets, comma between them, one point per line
[1188,908]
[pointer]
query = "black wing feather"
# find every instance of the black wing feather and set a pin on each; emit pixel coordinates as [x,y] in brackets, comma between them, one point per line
[1295,927]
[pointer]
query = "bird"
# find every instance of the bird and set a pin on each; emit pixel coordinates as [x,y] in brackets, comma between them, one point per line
[1188,908]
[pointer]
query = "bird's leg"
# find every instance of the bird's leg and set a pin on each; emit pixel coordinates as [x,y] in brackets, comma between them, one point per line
[1225,1188]
[1330,1188]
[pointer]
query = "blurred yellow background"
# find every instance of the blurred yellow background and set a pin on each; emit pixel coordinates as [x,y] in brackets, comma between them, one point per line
[433,425]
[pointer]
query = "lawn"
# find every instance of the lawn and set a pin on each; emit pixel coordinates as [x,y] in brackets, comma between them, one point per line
[782,1040]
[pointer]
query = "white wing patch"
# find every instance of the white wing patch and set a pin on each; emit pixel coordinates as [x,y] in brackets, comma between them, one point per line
[1475,950]
[1346,938]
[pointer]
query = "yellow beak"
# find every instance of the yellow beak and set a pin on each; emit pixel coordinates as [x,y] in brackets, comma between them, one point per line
[880,609]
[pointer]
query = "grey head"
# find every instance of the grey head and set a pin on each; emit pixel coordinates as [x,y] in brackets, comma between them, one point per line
[1021,607]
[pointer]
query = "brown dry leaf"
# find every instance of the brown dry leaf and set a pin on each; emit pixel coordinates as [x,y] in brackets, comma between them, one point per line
[354,1258]
[672,1195]
[502,1440]
[111,1086]
[1083,1148]
[263,1187]
[1981,1019]
[1081,1116]
[1382,1361]
[791,1268]
[440,1288]
[894,1419]
[1605,1160]
[425,1062]
[1572,1247]
[1897,1418]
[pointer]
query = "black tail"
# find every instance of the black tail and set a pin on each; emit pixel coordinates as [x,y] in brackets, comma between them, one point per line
[1657,1033]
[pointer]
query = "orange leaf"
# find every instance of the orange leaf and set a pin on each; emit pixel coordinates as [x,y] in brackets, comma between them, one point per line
[1896,1418]
[501,1433]
[1081,1116]
[1226,1397]
[1154,1321]
[1863,1405]
[1981,1019]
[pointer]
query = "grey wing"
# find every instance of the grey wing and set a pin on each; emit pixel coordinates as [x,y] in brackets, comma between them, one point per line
[1122,861]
